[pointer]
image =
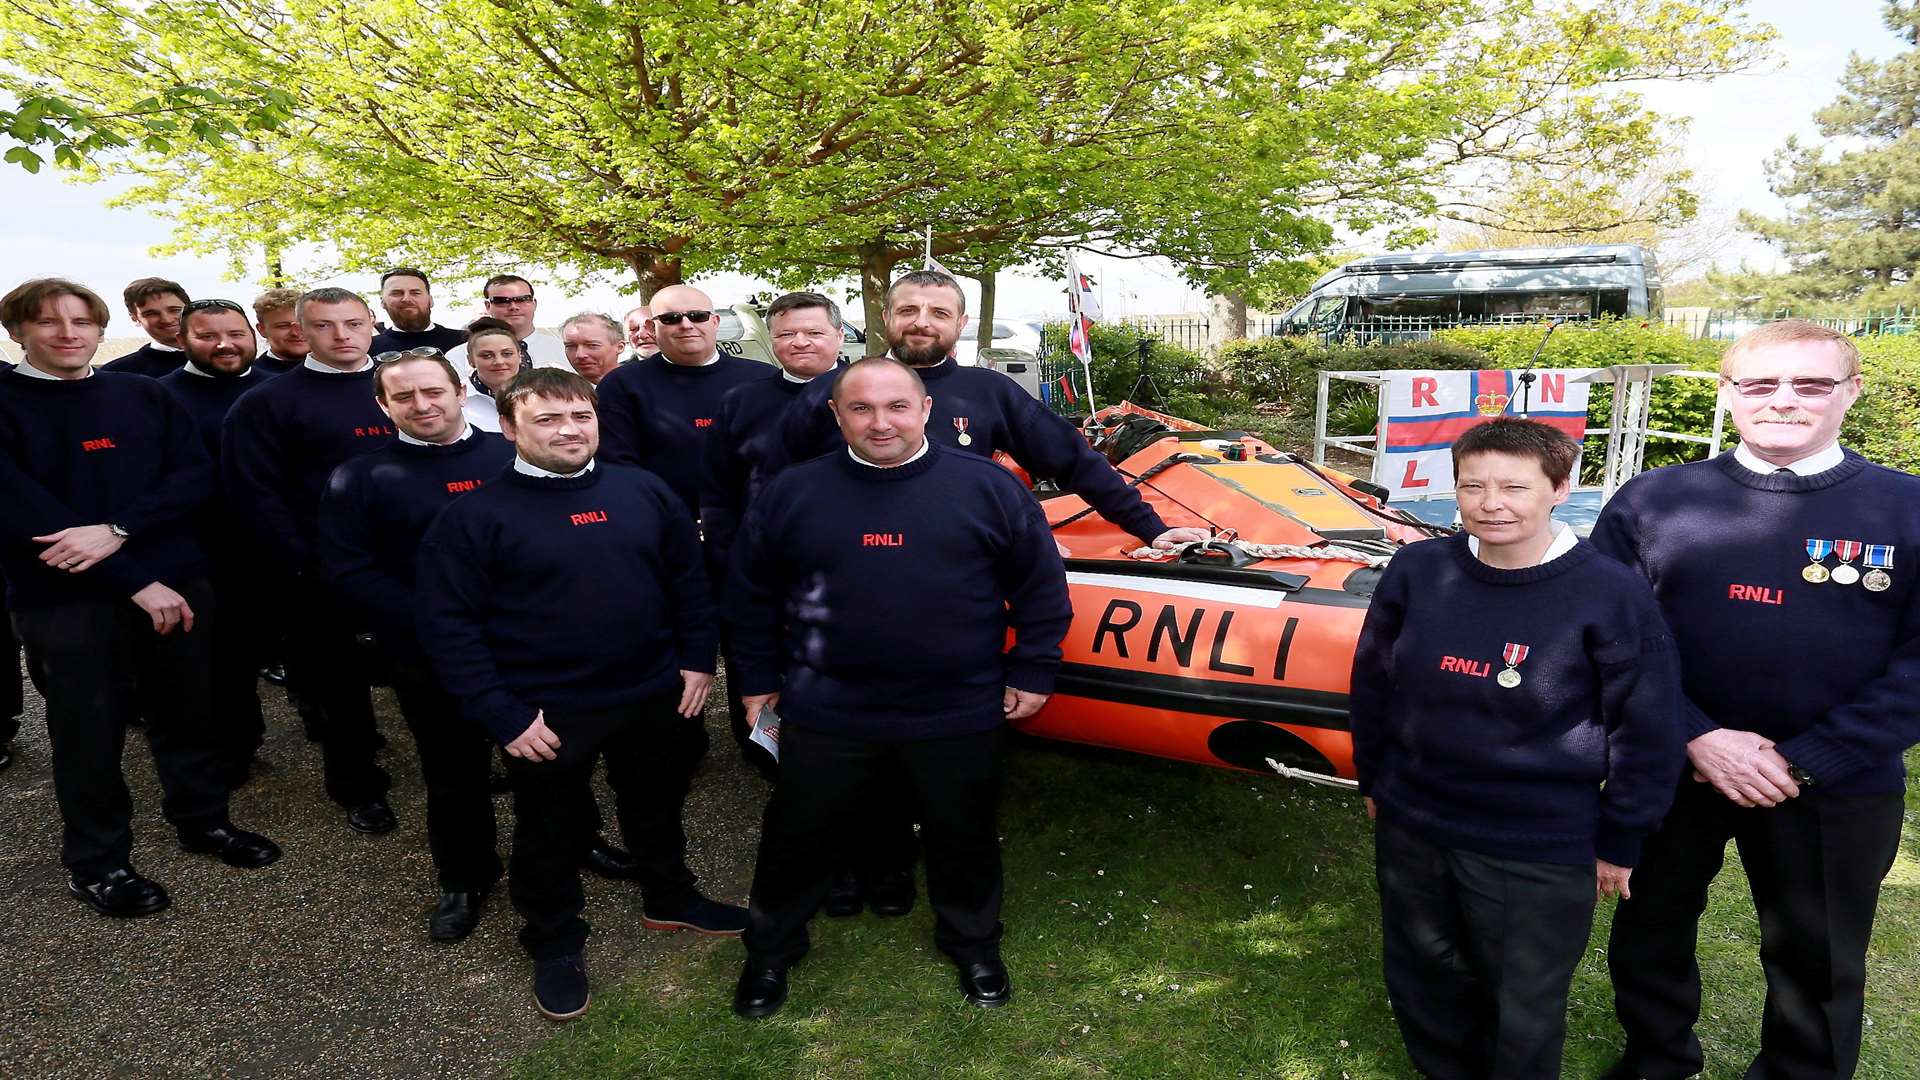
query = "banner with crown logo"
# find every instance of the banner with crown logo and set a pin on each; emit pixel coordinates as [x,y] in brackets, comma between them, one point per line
[1423,412]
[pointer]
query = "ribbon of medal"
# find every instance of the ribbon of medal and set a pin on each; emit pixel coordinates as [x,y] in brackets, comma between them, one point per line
[1513,655]
[960,425]
[1846,551]
[1817,550]
[1879,560]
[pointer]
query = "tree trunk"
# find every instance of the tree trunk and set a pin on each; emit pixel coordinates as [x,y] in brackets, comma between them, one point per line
[652,273]
[988,288]
[876,272]
[276,272]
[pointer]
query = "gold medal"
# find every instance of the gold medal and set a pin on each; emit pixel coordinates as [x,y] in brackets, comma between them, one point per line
[1508,678]
[1877,581]
[1815,574]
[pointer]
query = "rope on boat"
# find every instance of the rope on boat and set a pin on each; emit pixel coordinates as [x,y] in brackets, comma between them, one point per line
[1288,772]
[1324,550]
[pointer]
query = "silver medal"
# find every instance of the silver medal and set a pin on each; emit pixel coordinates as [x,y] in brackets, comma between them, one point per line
[1508,678]
[1845,574]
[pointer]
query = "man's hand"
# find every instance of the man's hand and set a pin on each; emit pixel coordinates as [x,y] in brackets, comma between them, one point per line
[1175,537]
[78,548]
[1019,704]
[537,743]
[1611,880]
[693,692]
[756,702]
[1743,766]
[1373,808]
[165,607]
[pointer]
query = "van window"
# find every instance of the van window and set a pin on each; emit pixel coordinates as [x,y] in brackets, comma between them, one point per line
[731,328]
[1328,313]
[1408,307]
[1540,303]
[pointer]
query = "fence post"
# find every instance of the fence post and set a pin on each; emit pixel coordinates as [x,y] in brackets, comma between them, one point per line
[1320,419]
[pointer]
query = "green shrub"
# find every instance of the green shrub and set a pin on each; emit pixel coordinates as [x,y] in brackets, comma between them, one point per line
[1183,382]
[1885,424]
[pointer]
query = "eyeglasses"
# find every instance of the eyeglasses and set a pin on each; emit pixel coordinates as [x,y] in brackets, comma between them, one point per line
[1802,387]
[211,305]
[674,318]
[418,351]
[509,301]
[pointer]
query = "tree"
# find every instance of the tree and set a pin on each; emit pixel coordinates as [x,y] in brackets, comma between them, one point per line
[801,140]
[1852,230]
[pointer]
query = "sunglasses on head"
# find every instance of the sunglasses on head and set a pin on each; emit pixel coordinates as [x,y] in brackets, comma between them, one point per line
[407,354]
[674,318]
[212,305]
[1764,388]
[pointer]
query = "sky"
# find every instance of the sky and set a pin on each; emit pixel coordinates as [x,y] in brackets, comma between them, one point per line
[54,226]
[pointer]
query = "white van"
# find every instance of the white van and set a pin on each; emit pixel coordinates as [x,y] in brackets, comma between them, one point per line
[1391,296]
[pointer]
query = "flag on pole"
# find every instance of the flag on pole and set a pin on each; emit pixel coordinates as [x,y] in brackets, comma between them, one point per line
[1066,387]
[932,263]
[1082,309]
[1080,292]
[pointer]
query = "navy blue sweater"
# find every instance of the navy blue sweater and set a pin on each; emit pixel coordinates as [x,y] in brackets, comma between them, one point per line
[376,510]
[1517,773]
[998,416]
[658,415]
[270,364]
[147,360]
[110,448]
[208,399]
[283,439]
[564,595]
[393,339]
[742,454]
[877,601]
[1830,672]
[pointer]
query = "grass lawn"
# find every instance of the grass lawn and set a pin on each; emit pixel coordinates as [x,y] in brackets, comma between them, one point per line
[1163,921]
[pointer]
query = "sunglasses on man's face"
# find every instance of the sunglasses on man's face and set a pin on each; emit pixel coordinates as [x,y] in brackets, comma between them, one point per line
[1766,388]
[509,301]
[674,318]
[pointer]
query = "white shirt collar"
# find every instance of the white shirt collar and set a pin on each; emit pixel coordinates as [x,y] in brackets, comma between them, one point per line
[527,468]
[466,432]
[714,359]
[32,372]
[192,368]
[314,365]
[157,347]
[792,378]
[1817,462]
[917,455]
[1563,541]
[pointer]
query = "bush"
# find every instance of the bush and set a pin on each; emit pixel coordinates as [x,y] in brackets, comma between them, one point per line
[1885,424]
[1186,384]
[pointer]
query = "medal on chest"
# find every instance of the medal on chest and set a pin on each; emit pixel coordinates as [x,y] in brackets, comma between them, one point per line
[1846,551]
[960,425]
[1817,550]
[1513,655]
[1879,561]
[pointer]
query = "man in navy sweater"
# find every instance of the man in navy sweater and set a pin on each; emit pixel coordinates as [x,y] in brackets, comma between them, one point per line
[830,551]
[282,441]
[274,320]
[156,304]
[1516,636]
[101,474]
[565,606]
[220,349]
[376,509]
[743,447]
[1799,635]
[408,299]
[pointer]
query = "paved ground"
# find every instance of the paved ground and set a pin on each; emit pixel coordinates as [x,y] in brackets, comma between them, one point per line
[316,966]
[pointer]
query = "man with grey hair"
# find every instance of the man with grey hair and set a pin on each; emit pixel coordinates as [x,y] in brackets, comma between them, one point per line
[640,342]
[592,341]
[282,441]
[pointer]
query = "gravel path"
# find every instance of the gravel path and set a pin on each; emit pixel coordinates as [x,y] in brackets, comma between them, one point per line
[318,966]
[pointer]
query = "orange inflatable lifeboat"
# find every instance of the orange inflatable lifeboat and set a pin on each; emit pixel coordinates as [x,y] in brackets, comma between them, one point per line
[1235,654]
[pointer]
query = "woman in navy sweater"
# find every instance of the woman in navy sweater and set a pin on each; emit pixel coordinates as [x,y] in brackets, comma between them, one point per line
[1515,735]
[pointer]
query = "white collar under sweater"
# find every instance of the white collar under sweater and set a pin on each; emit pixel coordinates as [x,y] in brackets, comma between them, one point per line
[527,468]
[314,365]
[1563,541]
[917,455]
[1817,462]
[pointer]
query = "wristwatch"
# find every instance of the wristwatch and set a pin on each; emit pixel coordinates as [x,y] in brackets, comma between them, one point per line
[118,530]
[1800,775]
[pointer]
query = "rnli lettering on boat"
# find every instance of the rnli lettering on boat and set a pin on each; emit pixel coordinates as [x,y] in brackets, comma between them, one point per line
[1177,635]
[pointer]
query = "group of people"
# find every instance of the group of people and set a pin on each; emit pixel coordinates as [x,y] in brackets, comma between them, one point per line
[545,551]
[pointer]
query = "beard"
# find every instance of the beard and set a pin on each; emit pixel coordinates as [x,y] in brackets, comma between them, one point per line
[924,356]
[411,322]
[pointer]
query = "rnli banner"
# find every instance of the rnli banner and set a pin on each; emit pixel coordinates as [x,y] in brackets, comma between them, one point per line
[1423,412]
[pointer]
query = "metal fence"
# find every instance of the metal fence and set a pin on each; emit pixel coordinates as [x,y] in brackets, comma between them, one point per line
[1717,325]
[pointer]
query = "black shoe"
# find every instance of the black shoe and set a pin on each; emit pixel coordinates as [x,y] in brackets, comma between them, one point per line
[986,984]
[843,899]
[889,894]
[609,862]
[372,817]
[456,915]
[277,674]
[761,991]
[122,894]
[702,916]
[235,846]
[560,987]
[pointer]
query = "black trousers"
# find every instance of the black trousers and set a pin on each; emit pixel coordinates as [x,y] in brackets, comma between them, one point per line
[456,761]
[650,752]
[955,789]
[13,691]
[1479,953]
[326,666]
[238,654]
[95,663]
[1814,864]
